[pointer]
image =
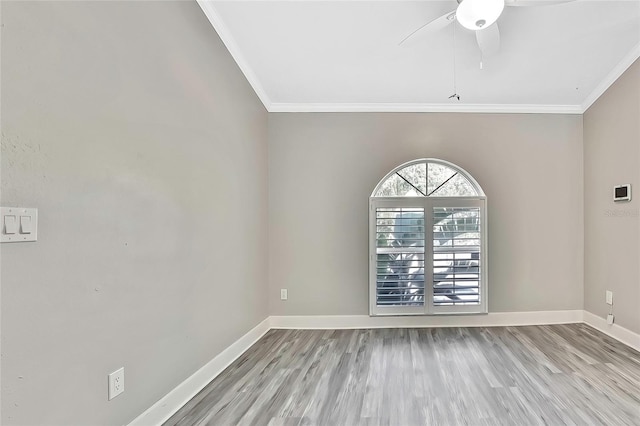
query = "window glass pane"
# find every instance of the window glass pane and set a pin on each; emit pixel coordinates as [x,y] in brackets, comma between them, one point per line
[457,186]
[395,186]
[438,174]
[400,257]
[416,175]
[456,256]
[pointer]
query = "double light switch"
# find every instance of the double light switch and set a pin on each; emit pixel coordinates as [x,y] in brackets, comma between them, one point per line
[19,224]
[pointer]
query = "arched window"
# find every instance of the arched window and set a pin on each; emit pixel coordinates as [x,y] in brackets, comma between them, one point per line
[427,241]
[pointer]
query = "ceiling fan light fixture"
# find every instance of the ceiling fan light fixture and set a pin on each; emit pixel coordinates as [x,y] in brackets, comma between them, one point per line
[479,14]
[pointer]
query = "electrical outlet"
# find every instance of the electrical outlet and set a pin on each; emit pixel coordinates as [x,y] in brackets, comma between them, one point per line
[609,297]
[610,319]
[116,383]
[284,294]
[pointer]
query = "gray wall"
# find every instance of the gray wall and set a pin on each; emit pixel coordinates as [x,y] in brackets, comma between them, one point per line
[133,131]
[130,127]
[323,167]
[612,231]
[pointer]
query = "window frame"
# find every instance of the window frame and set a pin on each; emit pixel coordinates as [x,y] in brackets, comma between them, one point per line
[428,203]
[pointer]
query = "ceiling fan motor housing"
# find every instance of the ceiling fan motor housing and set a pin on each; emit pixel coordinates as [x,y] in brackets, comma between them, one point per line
[478,14]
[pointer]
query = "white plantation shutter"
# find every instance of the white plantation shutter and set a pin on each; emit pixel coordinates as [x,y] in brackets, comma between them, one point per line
[458,256]
[399,258]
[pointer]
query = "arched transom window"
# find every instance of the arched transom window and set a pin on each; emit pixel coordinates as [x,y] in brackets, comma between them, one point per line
[427,241]
[427,178]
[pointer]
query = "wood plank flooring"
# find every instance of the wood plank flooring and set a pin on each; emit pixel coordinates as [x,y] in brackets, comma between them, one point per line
[537,375]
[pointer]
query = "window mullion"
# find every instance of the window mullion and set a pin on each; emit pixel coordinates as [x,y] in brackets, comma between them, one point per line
[428,256]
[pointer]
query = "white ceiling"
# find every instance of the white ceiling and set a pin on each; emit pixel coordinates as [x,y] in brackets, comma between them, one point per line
[344,55]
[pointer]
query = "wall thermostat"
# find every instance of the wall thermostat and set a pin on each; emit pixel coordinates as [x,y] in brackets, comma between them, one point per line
[622,192]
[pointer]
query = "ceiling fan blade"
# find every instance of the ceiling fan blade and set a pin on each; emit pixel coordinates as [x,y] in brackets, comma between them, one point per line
[429,28]
[489,40]
[528,3]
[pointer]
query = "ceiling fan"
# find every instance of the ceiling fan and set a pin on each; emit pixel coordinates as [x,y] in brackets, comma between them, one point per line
[479,16]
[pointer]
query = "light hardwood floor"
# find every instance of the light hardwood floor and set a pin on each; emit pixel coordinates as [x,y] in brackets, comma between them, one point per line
[537,375]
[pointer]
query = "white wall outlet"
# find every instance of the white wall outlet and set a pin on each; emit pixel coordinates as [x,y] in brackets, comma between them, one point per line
[284,294]
[610,319]
[116,383]
[609,297]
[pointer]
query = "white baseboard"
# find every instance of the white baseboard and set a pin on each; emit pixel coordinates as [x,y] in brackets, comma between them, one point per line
[620,333]
[162,410]
[484,320]
[174,400]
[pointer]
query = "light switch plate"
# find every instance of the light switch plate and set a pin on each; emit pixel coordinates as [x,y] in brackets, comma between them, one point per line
[26,221]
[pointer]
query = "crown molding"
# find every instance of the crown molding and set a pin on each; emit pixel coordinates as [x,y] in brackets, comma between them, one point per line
[407,107]
[225,35]
[610,78]
[218,24]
